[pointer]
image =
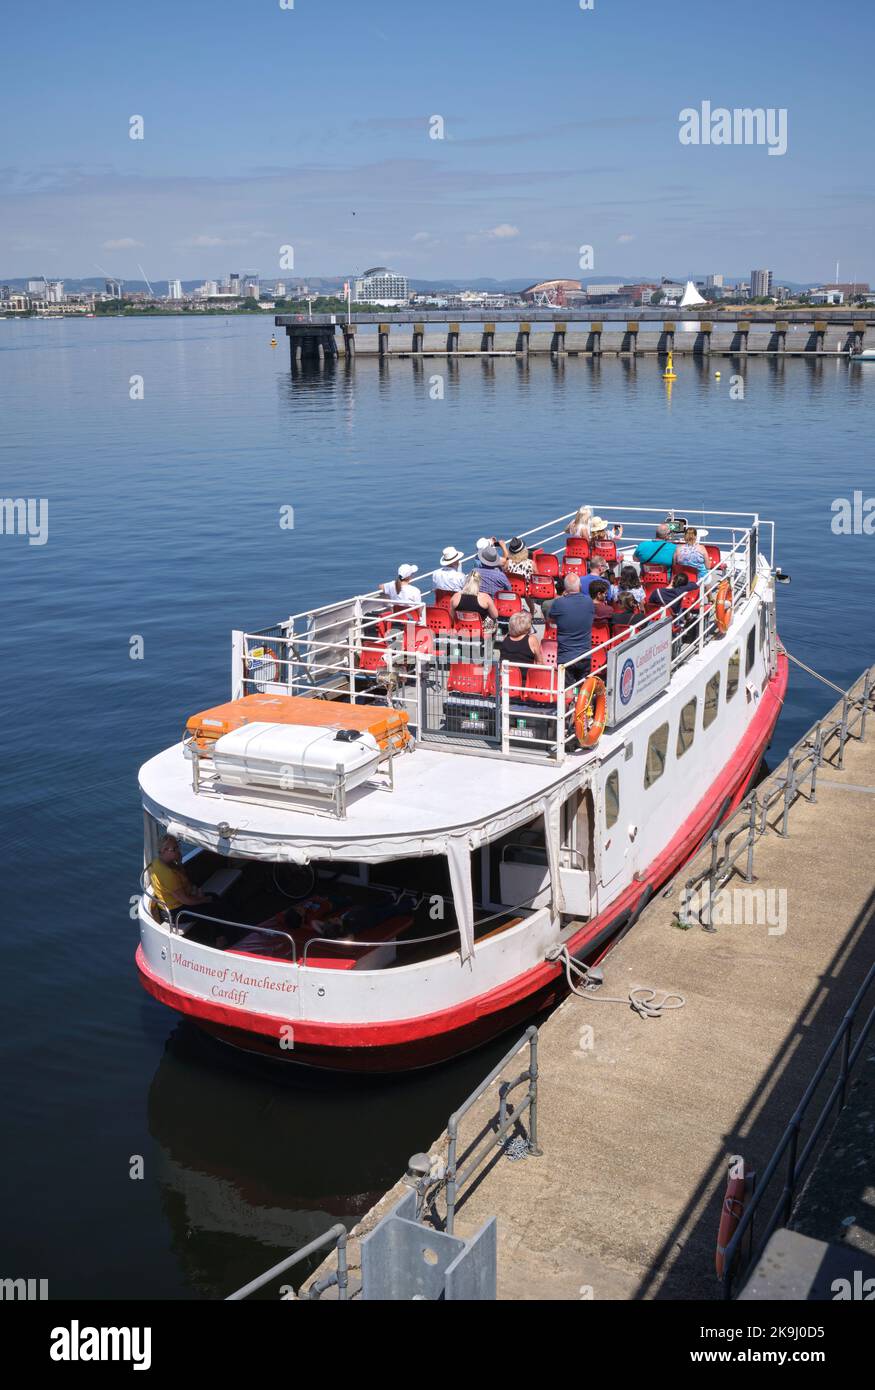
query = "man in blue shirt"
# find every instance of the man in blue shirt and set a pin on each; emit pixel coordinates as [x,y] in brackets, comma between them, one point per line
[573,614]
[492,576]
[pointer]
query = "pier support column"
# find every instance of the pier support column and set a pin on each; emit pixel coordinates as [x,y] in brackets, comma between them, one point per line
[630,338]
[778,340]
[594,341]
[418,336]
[557,343]
[311,342]
[856,336]
[453,337]
[522,339]
[487,340]
[702,343]
[739,337]
[349,340]
[666,339]
[383,339]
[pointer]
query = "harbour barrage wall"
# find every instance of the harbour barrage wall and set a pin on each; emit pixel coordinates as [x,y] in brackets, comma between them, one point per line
[325,336]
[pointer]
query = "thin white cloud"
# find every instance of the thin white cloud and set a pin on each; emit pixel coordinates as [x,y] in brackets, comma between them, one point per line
[625,236]
[124,243]
[502,231]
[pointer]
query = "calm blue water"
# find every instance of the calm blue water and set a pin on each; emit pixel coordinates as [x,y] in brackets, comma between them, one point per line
[164,522]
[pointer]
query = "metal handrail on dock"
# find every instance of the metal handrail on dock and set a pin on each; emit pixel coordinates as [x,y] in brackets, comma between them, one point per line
[803,764]
[453,1176]
[336,1237]
[789,1142]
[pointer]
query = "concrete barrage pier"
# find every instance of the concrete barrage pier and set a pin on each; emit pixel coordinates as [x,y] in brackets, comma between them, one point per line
[637,1117]
[561,333]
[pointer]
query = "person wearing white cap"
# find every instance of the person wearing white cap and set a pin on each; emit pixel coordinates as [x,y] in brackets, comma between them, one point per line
[449,578]
[400,590]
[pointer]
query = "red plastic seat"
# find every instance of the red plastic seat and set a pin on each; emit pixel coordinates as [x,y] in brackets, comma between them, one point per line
[657,573]
[547,564]
[549,653]
[489,686]
[550,633]
[443,598]
[540,686]
[465,678]
[606,548]
[541,588]
[600,633]
[713,555]
[471,623]
[373,657]
[513,681]
[517,584]
[418,639]
[577,546]
[507,604]
[691,573]
[438,620]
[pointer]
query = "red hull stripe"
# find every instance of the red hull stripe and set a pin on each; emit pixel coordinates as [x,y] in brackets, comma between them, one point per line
[730,785]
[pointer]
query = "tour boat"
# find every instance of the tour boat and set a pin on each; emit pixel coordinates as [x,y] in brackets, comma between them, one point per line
[405,835]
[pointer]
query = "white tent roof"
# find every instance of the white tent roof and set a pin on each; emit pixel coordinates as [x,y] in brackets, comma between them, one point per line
[691,296]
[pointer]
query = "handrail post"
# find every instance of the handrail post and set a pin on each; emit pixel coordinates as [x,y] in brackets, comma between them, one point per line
[560,714]
[712,878]
[789,792]
[452,1136]
[751,838]
[867,695]
[843,733]
[534,1147]
[816,761]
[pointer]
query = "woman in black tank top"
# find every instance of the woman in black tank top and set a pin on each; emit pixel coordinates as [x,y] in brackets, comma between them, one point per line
[520,647]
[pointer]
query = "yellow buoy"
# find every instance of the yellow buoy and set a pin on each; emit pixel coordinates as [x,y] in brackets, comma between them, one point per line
[716,376]
[669,374]
[273,342]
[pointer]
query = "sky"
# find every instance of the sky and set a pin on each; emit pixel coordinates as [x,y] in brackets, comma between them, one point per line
[312,127]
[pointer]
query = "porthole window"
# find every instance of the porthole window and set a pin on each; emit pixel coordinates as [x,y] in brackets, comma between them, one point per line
[686,729]
[712,701]
[657,746]
[750,656]
[733,674]
[612,799]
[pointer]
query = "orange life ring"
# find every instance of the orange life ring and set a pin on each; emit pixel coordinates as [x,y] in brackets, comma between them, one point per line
[590,712]
[723,605]
[731,1213]
[268,673]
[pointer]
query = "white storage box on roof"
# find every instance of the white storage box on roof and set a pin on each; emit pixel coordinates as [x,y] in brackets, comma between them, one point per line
[294,757]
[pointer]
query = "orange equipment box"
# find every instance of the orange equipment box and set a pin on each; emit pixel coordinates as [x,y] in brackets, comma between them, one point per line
[385,724]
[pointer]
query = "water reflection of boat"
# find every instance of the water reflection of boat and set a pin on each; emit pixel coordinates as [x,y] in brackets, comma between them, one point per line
[256,1161]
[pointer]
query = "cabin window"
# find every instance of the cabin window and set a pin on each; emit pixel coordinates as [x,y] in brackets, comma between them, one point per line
[612,799]
[657,747]
[751,651]
[712,701]
[733,674]
[686,729]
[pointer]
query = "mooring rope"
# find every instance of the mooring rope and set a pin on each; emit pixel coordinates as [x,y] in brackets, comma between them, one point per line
[642,999]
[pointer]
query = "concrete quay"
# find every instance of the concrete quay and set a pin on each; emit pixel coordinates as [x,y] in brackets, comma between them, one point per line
[637,1117]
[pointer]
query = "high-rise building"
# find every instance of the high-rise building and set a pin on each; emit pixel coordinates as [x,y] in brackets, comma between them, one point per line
[174,289]
[55,291]
[250,287]
[37,286]
[379,285]
[760,283]
[713,282]
[234,282]
[113,288]
[279,289]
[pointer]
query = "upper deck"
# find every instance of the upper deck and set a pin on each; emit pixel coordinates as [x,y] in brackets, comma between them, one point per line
[461,700]
[448,677]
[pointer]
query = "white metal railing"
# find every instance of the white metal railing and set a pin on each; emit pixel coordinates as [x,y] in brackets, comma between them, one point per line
[368,651]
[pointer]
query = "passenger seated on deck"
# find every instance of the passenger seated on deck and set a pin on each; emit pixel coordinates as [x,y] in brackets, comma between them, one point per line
[598,568]
[172,890]
[520,647]
[681,585]
[630,583]
[625,615]
[490,567]
[658,552]
[601,530]
[449,578]
[599,591]
[692,552]
[472,600]
[578,527]
[400,590]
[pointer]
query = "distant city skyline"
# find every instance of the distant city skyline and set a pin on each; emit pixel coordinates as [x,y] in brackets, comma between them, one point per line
[465,142]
